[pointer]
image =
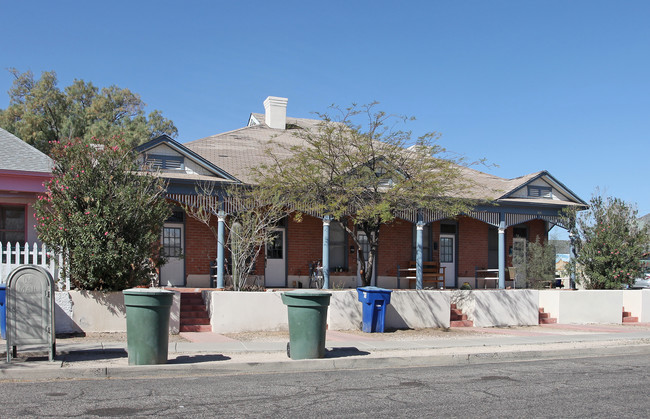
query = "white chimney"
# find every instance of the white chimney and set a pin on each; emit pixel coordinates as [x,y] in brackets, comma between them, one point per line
[275,109]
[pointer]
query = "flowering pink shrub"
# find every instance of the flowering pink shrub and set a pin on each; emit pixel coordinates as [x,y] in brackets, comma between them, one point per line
[101,212]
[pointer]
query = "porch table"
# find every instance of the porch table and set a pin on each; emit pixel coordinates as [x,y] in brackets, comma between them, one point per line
[486,275]
[430,274]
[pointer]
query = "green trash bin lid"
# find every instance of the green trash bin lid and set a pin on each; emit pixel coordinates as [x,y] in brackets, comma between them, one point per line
[147,291]
[147,297]
[306,298]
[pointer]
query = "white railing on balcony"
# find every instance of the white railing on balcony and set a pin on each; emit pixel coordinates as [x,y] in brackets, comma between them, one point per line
[14,255]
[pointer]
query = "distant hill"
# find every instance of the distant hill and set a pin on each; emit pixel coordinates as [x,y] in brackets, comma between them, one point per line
[645,220]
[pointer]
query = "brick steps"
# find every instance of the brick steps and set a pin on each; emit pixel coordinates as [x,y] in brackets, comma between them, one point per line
[194,316]
[458,319]
[627,317]
[196,328]
[545,318]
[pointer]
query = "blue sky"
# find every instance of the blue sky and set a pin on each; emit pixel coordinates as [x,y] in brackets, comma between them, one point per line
[562,86]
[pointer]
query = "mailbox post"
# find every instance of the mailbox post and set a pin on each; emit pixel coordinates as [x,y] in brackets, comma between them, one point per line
[30,309]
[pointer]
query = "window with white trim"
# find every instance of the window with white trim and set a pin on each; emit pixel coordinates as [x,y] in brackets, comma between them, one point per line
[158,161]
[540,192]
[12,224]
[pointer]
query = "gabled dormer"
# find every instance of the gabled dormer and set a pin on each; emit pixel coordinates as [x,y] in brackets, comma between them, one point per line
[172,159]
[543,188]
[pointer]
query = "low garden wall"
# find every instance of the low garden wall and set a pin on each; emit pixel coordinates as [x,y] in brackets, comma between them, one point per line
[488,308]
[637,302]
[587,306]
[231,312]
[96,311]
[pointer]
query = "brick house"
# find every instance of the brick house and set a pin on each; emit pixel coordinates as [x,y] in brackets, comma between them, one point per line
[482,243]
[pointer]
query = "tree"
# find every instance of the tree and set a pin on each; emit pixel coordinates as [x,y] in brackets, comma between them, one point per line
[40,113]
[608,243]
[252,216]
[540,264]
[102,213]
[365,173]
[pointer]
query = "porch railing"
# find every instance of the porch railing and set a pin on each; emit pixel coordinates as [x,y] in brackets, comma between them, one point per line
[14,255]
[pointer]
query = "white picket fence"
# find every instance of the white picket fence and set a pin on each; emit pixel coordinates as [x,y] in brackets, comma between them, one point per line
[12,256]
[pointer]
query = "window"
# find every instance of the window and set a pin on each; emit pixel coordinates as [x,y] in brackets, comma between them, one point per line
[176,217]
[172,246]
[447,228]
[540,192]
[338,246]
[384,180]
[365,246]
[274,249]
[157,161]
[520,232]
[12,224]
[446,250]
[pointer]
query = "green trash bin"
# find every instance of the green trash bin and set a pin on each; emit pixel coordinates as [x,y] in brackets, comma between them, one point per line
[147,324]
[307,312]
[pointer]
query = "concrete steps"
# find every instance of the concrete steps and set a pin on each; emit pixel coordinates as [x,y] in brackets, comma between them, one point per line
[545,318]
[458,319]
[193,315]
[627,317]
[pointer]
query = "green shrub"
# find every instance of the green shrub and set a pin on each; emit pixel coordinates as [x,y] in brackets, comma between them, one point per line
[103,214]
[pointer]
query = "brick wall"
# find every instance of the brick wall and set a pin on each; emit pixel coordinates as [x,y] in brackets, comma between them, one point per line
[305,244]
[472,245]
[395,247]
[200,247]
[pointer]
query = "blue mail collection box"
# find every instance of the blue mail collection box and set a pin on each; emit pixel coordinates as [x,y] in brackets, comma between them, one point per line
[374,302]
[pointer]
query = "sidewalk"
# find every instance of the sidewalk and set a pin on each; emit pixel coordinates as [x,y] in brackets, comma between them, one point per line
[214,354]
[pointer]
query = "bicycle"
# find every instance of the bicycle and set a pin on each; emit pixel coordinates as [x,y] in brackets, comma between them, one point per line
[316,275]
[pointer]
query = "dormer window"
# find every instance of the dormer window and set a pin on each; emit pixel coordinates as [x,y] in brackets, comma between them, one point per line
[160,162]
[540,192]
[384,179]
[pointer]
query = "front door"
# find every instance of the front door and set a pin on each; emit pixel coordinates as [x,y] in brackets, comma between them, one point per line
[448,258]
[172,273]
[275,274]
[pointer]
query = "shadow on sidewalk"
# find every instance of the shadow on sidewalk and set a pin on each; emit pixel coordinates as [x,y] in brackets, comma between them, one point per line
[195,359]
[344,351]
[94,354]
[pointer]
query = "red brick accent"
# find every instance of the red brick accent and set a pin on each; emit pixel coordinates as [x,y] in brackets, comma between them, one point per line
[304,244]
[200,246]
[472,245]
[305,238]
[395,246]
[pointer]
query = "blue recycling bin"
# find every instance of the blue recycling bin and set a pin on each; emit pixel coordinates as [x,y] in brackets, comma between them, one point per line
[3,311]
[374,302]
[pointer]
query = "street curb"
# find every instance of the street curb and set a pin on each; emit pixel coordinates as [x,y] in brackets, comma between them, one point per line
[57,370]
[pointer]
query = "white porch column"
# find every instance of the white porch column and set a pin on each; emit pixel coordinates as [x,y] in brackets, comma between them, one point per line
[572,275]
[418,255]
[221,216]
[502,255]
[326,252]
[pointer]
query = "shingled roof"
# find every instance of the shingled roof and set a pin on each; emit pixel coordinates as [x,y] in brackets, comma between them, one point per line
[239,151]
[243,149]
[17,155]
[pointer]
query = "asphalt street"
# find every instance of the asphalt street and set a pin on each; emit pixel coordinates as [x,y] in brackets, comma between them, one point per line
[597,386]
